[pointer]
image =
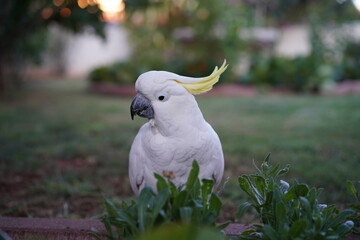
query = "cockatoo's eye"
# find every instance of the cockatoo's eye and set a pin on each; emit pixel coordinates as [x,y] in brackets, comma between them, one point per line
[162,96]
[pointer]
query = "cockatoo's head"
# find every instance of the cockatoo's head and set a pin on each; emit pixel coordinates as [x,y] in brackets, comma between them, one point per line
[161,92]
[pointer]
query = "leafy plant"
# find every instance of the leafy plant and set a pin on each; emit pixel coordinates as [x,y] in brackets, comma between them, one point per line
[194,204]
[290,211]
[355,206]
[300,74]
[349,67]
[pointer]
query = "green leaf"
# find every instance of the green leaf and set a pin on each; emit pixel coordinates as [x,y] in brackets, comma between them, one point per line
[296,191]
[247,186]
[312,196]
[161,182]
[306,205]
[260,185]
[106,222]
[341,217]
[159,201]
[270,232]
[269,198]
[351,188]
[173,189]
[146,195]
[215,203]
[128,220]
[206,189]
[223,225]
[193,176]
[265,166]
[180,200]
[267,157]
[297,228]
[274,170]
[195,191]
[242,209]
[280,214]
[110,207]
[283,171]
[185,214]
[301,190]
[345,228]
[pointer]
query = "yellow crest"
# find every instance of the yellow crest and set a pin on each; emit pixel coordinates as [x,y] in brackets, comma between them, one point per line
[202,85]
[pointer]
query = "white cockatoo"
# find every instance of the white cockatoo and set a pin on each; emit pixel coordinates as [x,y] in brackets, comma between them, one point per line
[176,133]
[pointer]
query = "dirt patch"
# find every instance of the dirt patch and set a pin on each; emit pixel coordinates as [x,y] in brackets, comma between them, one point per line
[60,188]
[345,88]
[78,163]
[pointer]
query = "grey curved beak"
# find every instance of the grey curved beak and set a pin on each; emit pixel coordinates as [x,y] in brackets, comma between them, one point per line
[142,107]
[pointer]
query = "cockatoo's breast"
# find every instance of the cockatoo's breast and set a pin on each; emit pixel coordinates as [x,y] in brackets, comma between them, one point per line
[172,156]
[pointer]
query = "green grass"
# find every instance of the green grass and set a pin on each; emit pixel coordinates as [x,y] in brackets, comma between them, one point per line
[76,144]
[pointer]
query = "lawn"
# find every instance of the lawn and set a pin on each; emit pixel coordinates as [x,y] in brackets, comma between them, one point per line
[62,147]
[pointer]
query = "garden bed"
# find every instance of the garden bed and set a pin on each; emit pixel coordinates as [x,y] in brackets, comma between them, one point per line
[55,228]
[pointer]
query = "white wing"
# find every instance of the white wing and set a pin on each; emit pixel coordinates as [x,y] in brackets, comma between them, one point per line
[212,166]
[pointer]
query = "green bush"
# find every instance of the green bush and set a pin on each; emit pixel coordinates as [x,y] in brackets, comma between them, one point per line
[355,192]
[349,67]
[290,211]
[194,204]
[127,73]
[299,74]
[286,211]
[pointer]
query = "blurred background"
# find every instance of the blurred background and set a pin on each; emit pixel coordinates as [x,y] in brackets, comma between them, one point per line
[67,70]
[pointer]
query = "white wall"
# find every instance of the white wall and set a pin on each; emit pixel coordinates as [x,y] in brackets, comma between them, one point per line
[86,51]
[293,41]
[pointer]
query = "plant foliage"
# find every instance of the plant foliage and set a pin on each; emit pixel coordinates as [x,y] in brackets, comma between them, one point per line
[355,192]
[290,211]
[286,211]
[300,74]
[193,203]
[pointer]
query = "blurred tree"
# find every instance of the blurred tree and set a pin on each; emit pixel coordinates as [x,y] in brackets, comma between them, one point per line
[282,12]
[23,27]
[189,37]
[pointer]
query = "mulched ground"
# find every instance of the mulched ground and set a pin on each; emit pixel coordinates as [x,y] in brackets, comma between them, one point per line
[25,194]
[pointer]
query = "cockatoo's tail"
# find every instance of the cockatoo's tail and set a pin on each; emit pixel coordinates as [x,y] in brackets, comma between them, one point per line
[177,133]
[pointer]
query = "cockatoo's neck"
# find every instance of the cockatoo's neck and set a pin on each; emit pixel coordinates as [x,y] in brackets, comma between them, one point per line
[179,120]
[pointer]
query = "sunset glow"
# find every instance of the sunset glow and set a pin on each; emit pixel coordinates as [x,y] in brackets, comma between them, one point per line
[113,9]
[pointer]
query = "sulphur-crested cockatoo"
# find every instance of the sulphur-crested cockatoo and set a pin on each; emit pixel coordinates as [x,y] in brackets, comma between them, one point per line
[176,133]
